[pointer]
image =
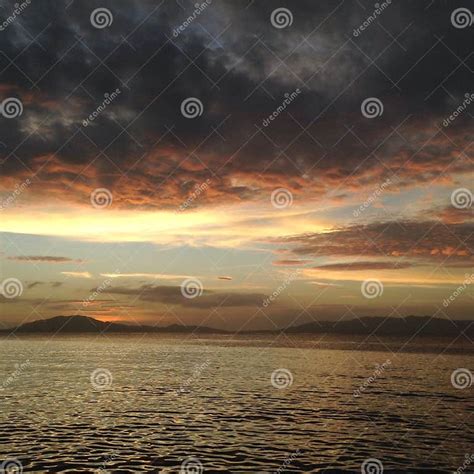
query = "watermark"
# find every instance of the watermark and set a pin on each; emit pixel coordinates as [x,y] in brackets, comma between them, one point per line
[198,190]
[109,98]
[99,290]
[289,98]
[468,460]
[101,379]
[462,378]
[19,9]
[371,107]
[281,198]
[11,466]
[371,288]
[192,107]
[469,98]
[461,198]
[191,465]
[101,18]
[11,288]
[196,374]
[198,9]
[372,466]
[278,291]
[372,198]
[11,107]
[103,467]
[459,290]
[19,369]
[287,462]
[281,18]
[462,18]
[191,288]
[379,9]
[101,198]
[15,194]
[281,378]
[379,370]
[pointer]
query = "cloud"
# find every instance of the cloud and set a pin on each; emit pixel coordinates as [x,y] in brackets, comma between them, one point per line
[44,259]
[140,135]
[360,266]
[151,276]
[290,262]
[172,295]
[52,284]
[78,274]
[424,241]
[453,215]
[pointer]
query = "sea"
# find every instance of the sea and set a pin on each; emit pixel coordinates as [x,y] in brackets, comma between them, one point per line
[193,404]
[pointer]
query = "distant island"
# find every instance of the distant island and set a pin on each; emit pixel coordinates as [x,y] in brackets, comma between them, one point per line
[419,326]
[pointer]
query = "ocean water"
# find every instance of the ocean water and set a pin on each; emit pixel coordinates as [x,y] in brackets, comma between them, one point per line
[185,404]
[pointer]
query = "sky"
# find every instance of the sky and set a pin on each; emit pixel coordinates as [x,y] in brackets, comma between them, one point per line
[235,164]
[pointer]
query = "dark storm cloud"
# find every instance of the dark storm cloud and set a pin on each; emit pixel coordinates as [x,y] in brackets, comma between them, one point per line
[451,245]
[172,295]
[240,67]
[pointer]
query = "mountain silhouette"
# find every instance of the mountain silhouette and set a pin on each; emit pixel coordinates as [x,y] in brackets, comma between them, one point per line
[85,324]
[410,326]
[418,326]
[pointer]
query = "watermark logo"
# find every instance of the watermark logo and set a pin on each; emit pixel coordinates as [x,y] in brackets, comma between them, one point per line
[101,18]
[19,369]
[459,290]
[372,466]
[371,288]
[371,107]
[198,190]
[462,18]
[11,107]
[379,370]
[281,18]
[372,198]
[287,462]
[468,460]
[103,467]
[198,9]
[289,98]
[101,198]
[192,107]
[191,465]
[461,198]
[15,194]
[11,466]
[191,288]
[99,290]
[19,9]
[276,293]
[11,288]
[379,8]
[197,372]
[109,98]
[281,378]
[101,379]
[462,378]
[468,99]
[281,198]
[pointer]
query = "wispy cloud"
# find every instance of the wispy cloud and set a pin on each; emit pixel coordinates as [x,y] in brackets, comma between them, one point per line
[44,259]
[78,274]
